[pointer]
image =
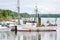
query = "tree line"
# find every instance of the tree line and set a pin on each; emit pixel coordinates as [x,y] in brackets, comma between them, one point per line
[5,14]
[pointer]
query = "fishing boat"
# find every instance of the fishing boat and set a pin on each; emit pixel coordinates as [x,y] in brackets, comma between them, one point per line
[29,27]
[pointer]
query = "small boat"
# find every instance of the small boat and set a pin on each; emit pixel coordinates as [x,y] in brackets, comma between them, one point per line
[50,24]
[4,28]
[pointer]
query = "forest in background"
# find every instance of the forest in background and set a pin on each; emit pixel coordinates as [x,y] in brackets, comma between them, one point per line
[8,14]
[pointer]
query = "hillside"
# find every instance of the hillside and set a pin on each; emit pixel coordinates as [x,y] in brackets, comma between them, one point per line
[8,14]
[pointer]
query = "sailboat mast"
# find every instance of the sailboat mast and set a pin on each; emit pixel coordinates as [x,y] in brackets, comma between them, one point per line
[18,9]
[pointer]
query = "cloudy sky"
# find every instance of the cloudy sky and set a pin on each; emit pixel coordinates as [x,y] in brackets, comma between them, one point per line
[44,6]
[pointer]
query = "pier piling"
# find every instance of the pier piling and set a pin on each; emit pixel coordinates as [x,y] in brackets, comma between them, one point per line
[15,29]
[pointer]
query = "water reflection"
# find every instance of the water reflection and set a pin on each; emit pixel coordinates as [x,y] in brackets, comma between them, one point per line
[28,36]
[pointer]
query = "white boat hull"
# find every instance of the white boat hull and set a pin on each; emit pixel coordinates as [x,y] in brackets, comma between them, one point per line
[36,28]
[5,29]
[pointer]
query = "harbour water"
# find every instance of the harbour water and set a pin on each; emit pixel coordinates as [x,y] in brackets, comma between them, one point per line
[52,35]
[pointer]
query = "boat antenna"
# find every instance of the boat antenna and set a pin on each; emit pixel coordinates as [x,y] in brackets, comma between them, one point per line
[18,10]
[55,20]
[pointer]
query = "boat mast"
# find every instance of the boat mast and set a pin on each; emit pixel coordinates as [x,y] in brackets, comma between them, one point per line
[38,19]
[18,10]
[36,11]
